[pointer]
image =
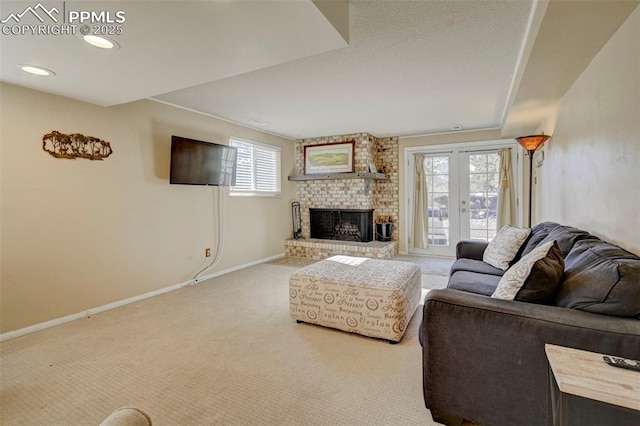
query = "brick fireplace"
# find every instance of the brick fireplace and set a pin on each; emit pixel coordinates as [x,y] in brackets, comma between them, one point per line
[380,196]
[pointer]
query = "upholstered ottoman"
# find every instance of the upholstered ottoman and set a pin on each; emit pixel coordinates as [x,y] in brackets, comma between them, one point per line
[375,298]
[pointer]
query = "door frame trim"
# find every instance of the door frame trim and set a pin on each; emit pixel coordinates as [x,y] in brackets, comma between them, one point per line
[470,146]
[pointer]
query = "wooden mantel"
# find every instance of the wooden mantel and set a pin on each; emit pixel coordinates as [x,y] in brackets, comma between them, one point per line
[368,178]
[328,176]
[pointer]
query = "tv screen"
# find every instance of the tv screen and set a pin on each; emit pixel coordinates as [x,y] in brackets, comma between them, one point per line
[202,163]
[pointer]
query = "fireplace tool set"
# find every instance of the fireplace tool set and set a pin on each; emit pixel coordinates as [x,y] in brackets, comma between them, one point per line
[297,220]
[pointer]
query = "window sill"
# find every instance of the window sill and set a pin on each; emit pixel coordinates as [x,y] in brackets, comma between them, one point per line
[253,194]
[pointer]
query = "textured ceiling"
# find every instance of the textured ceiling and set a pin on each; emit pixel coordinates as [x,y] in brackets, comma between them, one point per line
[411,67]
[164,45]
[305,68]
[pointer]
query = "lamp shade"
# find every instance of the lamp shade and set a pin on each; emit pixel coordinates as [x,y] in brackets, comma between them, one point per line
[533,142]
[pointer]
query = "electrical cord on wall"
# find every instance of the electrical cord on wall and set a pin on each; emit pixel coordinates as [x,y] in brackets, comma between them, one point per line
[220,247]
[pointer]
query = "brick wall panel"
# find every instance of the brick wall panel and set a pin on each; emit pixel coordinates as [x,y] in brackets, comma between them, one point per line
[350,193]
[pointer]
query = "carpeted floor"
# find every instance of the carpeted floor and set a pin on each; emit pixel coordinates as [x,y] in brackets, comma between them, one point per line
[428,265]
[296,262]
[223,352]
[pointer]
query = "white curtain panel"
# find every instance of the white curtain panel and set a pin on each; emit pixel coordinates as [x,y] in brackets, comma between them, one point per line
[506,192]
[420,237]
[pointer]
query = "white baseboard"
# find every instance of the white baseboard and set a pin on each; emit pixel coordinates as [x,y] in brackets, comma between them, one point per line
[85,314]
[237,268]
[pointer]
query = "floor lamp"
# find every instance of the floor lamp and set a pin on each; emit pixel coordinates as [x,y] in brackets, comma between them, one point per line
[531,144]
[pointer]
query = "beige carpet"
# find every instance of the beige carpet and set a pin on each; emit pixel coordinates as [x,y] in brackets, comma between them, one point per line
[428,265]
[298,262]
[223,352]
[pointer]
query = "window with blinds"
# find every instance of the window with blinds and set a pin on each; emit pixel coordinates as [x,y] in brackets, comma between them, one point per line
[258,168]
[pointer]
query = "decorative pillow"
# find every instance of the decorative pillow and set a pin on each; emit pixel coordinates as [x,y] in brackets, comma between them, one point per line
[535,278]
[504,247]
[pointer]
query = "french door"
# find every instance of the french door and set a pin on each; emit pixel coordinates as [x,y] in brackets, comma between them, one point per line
[461,195]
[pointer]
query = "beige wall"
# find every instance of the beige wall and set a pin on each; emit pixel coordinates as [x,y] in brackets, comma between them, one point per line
[78,234]
[591,175]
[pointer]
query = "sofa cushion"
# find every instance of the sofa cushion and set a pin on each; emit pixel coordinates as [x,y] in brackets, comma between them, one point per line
[538,233]
[504,246]
[566,237]
[473,265]
[534,278]
[601,278]
[473,282]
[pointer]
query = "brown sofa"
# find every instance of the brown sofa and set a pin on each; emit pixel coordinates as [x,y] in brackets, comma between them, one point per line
[484,359]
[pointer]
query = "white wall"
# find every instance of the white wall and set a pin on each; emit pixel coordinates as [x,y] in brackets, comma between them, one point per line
[591,175]
[78,234]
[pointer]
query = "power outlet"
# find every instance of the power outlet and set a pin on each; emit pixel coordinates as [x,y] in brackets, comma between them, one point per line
[207,252]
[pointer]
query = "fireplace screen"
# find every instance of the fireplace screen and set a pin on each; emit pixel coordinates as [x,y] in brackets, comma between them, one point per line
[345,225]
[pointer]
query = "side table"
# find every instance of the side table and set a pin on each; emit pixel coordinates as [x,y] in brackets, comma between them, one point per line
[586,375]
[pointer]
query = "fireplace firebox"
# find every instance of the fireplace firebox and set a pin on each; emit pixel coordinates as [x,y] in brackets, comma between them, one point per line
[343,224]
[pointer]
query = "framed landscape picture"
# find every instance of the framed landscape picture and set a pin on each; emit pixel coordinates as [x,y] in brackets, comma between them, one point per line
[329,158]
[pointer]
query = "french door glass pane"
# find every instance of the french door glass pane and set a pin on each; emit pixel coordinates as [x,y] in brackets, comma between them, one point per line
[483,195]
[436,169]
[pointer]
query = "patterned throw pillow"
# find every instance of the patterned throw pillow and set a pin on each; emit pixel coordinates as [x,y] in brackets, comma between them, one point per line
[535,278]
[504,247]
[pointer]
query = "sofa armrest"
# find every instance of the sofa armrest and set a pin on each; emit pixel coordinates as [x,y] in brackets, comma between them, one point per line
[481,355]
[470,249]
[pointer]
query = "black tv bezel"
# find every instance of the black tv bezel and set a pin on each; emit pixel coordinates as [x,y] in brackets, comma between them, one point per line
[201,142]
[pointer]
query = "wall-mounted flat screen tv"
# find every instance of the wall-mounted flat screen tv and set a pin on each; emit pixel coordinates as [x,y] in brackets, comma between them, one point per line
[196,162]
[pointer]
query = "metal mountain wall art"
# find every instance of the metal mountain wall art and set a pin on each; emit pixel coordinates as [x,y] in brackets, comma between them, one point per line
[75,146]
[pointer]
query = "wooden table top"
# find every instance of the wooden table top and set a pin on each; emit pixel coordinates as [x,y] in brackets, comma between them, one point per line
[586,374]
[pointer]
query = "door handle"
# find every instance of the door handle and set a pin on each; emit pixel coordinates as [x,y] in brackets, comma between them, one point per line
[463,210]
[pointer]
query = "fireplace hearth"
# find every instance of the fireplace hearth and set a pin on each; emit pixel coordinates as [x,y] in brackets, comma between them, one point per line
[342,224]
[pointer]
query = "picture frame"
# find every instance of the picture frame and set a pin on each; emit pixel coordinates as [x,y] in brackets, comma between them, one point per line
[329,158]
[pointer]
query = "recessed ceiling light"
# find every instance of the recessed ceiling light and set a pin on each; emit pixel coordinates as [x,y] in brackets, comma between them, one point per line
[260,122]
[456,127]
[101,42]
[32,69]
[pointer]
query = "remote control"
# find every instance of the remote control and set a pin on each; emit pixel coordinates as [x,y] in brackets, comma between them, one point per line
[615,361]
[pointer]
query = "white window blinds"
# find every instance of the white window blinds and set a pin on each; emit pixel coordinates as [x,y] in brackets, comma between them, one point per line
[258,168]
